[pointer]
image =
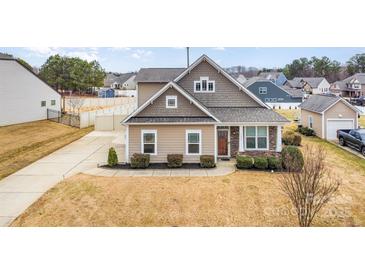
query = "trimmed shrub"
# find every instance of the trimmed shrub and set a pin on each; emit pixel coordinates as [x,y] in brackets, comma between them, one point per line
[306,131]
[260,162]
[139,160]
[291,138]
[297,139]
[112,157]
[244,162]
[274,163]
[207,161]
[174,160]
[288,138]
[292,158]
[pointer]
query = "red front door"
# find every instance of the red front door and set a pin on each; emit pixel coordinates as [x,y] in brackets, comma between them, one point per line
[222,142]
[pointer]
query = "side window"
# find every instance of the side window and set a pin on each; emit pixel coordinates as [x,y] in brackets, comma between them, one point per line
[193,142]
[53,102]
[310,121]
[149,142]
[43,103]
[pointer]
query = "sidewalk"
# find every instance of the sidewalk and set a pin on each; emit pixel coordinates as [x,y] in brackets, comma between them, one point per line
[19,190]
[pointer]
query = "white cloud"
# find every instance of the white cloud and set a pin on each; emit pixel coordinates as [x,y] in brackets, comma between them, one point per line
[141,54]
[88,54]
[43,51]
[219,48]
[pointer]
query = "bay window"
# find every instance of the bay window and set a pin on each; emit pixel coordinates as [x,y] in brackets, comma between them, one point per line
[149,142]
[256,137]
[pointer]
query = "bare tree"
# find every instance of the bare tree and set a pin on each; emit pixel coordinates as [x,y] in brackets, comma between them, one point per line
[312,187]
[76,104]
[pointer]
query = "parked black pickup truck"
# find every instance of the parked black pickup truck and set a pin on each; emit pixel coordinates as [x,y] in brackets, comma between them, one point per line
[354,138]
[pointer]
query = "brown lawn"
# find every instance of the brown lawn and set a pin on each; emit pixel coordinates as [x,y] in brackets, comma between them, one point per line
[22,144]
[244,198]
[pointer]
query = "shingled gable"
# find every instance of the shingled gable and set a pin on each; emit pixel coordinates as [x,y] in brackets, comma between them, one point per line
[224,73]
[164,89]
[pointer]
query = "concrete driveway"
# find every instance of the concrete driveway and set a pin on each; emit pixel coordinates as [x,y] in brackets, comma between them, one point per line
[19,190]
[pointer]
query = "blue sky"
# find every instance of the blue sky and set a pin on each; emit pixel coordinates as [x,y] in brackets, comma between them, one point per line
[131,59]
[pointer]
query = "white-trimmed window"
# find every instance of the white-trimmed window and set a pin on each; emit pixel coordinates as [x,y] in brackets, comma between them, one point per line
[356,86]
[310,121]
[149,141]
[43,103]
[204,85]
[171,101]
[262,90]
[193,142]
[53,102]
[256,137]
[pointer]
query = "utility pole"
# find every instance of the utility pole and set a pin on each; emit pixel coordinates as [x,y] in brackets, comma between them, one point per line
[187,56]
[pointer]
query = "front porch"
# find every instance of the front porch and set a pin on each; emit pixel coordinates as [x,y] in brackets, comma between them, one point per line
[249,139]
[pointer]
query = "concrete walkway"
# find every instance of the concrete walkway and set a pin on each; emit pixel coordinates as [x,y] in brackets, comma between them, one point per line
[19,190]
[223,168]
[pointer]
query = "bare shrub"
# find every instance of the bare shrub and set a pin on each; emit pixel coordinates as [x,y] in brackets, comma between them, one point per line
[312,187]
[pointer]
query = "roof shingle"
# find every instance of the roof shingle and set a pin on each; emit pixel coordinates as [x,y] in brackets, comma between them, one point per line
[247,114]
[158,75]
[319,103]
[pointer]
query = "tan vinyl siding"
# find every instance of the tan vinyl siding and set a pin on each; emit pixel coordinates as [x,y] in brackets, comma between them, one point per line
[171,140]
[317,121]
[339,109]
[147,90]
[184,107]
[226,93]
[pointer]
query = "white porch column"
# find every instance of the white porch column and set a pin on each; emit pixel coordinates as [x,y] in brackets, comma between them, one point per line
[215,144]
[126,137]
[278,139]
[240,136]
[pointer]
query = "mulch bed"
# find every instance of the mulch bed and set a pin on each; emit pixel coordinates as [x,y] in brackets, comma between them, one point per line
[156,166]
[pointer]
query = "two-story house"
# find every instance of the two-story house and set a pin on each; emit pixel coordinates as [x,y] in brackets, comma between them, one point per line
[199,110]
[277,97]
[353,86]
[311,85]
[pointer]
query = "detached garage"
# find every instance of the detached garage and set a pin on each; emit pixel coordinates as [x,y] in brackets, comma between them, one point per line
[326,114]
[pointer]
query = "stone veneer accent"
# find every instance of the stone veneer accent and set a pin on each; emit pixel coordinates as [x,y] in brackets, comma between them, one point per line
[272,138]
[235,141]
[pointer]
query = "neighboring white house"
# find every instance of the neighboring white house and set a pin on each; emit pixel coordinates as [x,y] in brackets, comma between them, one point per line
[24,97]
[120,81]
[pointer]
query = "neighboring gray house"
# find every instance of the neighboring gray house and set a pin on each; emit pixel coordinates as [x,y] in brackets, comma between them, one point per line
[24,97]
[199,110]
[276,77]
[120,81]
[353,86]
[277,97]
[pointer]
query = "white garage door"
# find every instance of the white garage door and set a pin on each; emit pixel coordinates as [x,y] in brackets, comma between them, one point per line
[334,125]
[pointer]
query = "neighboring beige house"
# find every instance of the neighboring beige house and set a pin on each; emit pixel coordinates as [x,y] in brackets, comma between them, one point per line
[24,97]
[326,114]
[199,110]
